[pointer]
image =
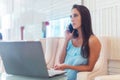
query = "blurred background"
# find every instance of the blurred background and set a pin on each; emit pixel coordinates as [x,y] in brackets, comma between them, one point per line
[35,19]
[32,20]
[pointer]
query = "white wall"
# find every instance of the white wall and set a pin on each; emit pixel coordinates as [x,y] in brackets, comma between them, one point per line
[105,16]
[106,22]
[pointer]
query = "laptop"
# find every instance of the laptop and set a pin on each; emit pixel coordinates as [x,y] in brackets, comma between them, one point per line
[25,58]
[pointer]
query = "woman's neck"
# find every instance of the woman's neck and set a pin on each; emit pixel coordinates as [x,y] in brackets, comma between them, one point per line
[79,32]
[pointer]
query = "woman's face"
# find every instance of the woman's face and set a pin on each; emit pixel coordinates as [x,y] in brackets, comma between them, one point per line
[75,18]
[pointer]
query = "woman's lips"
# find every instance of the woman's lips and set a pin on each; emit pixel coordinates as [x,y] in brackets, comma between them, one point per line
[73,24]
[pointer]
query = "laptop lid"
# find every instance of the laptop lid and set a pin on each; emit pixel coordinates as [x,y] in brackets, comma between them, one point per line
[24,58]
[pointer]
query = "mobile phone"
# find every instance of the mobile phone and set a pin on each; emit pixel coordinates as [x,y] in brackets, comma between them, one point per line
[75,33]
[70,28]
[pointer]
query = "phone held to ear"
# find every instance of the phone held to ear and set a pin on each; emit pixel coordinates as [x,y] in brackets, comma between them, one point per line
[70,28]
[75,33]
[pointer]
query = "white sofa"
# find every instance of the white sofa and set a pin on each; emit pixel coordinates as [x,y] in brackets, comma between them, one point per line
[108,77]
[53,46]
[114,60]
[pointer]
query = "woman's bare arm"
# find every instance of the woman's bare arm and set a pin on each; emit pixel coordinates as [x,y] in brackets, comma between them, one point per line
[63,52]
[95,48]
[61,56]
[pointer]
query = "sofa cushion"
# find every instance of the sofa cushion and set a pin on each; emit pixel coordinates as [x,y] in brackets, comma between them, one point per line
[59,49]
[43,42]
[51,49]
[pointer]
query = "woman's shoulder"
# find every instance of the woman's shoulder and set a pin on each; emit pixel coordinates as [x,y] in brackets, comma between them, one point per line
[69,42]
[94,41]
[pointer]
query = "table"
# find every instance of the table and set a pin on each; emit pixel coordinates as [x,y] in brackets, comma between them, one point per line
[5,76]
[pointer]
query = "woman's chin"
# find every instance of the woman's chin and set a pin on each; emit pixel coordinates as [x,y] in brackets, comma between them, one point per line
[75,28]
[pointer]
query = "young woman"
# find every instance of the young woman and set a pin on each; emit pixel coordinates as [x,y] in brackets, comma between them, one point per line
[81,48]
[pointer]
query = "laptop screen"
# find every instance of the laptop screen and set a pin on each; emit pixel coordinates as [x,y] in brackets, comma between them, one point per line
[23,58]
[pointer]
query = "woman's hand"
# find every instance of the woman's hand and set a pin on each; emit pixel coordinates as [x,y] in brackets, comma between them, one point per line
[68,35]
[60,66]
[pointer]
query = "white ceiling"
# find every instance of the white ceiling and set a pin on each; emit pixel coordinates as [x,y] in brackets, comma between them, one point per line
[39,5]
[49,8]
[33,4]
[21,5]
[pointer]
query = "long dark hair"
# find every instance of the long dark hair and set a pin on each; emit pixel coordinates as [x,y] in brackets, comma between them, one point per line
[86,28]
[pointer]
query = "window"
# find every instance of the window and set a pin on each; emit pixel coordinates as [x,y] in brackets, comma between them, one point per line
[57,27]
[5,26]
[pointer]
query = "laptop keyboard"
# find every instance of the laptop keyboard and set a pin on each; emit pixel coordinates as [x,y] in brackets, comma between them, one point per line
[53,72]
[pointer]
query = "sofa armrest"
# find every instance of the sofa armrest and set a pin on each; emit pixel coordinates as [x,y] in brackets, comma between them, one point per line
[108,77]
[89,75]
[82,75]
[97,70]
